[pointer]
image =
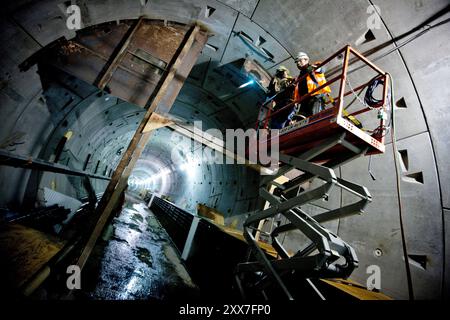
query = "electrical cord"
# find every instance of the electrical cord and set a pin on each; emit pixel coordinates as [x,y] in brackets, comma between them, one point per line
[398,181]
[369,168]
[412,38]
[395,48]
[369,99]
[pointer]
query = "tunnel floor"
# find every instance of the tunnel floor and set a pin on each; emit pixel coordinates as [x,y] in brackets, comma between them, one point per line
[136,260]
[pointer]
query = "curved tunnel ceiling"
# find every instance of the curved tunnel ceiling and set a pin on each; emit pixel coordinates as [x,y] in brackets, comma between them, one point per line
[272,33]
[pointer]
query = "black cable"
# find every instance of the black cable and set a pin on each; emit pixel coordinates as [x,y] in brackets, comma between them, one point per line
[412,38]
[400,206]
[404,43]
[369,98]
[370,169]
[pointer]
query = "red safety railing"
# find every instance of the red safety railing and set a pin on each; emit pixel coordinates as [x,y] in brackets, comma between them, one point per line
[337,102]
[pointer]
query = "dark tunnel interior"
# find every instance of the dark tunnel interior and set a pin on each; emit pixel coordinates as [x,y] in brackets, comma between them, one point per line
[119,176]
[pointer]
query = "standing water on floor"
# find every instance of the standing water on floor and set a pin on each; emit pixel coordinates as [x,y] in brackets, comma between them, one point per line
[135,260]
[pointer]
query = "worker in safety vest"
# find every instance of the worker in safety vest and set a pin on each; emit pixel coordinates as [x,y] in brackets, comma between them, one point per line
[280,91]
[314,79]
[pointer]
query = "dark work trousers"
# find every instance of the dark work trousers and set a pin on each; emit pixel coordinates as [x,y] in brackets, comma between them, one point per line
[313,105]
[281,119]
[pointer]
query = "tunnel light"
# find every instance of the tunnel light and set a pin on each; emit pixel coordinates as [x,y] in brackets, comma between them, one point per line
[184,167]
[136,182]
[187,166]
[247,84]
[165,172]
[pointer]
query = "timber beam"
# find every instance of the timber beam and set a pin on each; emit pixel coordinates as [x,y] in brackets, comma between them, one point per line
[160,101]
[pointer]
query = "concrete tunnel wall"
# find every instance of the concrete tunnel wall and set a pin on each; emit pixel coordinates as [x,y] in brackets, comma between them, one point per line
[282,28]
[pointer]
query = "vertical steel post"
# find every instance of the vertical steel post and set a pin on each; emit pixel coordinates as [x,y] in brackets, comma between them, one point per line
[343,78]
[385,95]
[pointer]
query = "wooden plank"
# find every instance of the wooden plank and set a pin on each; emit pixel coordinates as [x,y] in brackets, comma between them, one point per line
[120,177]
[111,65]
[356,290]
[157,121]
[239,235]
[23,252]
[211,214]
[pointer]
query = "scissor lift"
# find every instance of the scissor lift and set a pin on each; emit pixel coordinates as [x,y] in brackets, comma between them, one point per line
[314,146]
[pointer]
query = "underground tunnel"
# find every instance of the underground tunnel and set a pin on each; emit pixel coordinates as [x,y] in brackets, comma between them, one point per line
[130,131]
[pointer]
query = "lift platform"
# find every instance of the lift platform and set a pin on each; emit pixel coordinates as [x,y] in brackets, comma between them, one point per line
[335,120]
[314,147]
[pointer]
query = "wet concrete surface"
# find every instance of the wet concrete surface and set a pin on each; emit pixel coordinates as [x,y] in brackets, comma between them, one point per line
[135,260]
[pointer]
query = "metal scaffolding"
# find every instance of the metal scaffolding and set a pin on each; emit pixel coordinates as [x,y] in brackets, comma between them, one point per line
[314,146]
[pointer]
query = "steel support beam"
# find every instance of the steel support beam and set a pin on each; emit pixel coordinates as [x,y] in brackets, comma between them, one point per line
[19,161]
[190,239]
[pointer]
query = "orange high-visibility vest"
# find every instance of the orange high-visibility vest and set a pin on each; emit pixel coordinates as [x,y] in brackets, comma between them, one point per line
[312,85]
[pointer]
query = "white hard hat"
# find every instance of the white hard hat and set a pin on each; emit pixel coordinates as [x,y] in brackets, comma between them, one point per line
[301,55]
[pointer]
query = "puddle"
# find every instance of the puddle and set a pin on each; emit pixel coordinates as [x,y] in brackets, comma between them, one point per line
[133,226]
[137,218]
[139,262]
[144,256]
[115,238]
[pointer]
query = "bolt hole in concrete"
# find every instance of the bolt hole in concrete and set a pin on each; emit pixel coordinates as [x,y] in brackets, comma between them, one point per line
[135,260]
[378,252]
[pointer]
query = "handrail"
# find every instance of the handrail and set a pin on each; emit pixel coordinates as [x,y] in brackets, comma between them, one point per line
[302,98]
[336,101]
